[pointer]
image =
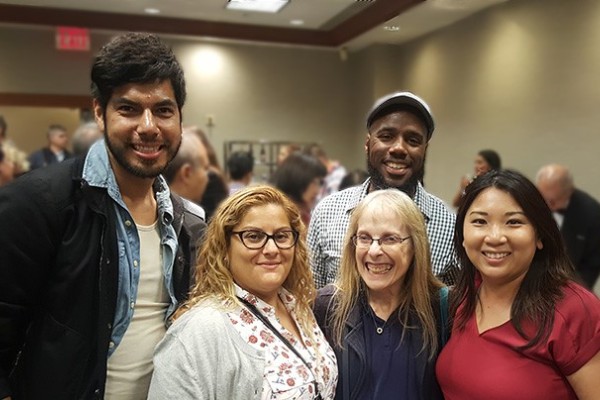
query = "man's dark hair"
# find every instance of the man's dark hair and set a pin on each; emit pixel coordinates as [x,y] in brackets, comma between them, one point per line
[296,173]
[55,127]
[239,164]
[135,58]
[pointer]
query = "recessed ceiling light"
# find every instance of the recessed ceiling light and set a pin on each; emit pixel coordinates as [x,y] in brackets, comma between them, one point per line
[152,11]
[391,28]
[268,6]
[297,22]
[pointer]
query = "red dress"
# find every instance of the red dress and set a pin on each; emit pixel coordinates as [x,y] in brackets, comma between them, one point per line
[487,365]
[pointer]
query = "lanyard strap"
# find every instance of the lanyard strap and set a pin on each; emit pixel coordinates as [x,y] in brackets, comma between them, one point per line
[268,324]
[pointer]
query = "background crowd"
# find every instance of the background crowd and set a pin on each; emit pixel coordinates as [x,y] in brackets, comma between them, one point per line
[135,267]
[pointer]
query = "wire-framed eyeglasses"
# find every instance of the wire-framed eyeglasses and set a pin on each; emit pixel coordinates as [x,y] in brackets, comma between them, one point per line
[363,241]
[255,239]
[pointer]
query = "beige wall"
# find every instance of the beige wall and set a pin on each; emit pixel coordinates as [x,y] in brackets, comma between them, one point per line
[267,92]
[519,78]
[250,91]
[27,126]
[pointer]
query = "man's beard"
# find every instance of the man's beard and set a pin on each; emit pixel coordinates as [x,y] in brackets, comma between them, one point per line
[378,182]
[149,171]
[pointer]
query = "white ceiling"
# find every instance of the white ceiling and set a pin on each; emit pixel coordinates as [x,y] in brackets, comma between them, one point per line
[423,18]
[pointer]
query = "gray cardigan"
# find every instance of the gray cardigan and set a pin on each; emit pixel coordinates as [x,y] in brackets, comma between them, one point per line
[202,356]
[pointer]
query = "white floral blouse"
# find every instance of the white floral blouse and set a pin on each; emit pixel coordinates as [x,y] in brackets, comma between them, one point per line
[286,376]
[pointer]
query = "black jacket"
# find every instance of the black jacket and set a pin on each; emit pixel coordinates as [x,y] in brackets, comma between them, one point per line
[58,282]
[44,157]
[581,233]
[352,359]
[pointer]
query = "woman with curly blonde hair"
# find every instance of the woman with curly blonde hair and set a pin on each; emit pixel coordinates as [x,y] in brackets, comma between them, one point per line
[247,331]
[383,315]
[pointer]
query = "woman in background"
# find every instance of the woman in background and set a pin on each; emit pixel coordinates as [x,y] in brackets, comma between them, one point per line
[248,331]
[353,178]
[300,176]
[485,161]
[523,328]
[384,316]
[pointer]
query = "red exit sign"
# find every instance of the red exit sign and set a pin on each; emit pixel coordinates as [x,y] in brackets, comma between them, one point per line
[73,39]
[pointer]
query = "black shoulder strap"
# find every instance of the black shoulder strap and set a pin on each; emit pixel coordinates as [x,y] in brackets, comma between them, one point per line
[276,332]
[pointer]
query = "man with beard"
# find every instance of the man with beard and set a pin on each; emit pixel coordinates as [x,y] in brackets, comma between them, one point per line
[399,127]
[96,252]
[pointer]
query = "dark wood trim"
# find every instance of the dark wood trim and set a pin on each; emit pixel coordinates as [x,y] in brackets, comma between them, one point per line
[45,100]
[377,13]
[128,22]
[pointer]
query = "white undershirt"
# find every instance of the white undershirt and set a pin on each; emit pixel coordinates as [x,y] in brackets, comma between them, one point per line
[559,218]
[130,367]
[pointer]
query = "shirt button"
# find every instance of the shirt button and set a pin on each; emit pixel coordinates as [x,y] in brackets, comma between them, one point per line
[132,305]
[128,223]
[111,345]
[135,263]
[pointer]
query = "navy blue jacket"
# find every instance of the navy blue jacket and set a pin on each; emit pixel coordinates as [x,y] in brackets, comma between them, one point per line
[352,359]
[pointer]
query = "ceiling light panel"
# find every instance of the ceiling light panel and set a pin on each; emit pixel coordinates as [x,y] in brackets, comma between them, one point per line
[266,6]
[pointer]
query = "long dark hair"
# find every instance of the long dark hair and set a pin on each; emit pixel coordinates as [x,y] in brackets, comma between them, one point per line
[295,174]
[492,158]
[550,268]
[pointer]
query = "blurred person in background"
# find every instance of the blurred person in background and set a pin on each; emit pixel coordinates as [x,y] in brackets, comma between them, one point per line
[56,150]
[84,136]
[15,159]
[578,217]
[285,150]
[216,189]
[485,161]
[355,177]
[240,166]
[335,170]
[187,173]
[7,169]
[300,176]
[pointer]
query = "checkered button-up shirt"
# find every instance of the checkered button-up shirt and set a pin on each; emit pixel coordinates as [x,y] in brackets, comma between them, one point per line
[331,217]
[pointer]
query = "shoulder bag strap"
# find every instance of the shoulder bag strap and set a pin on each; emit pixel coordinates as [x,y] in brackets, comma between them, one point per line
[444,315]
[345,373]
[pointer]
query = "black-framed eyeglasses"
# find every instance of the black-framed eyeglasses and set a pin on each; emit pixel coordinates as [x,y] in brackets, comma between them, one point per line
[255,239]
[365,241]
